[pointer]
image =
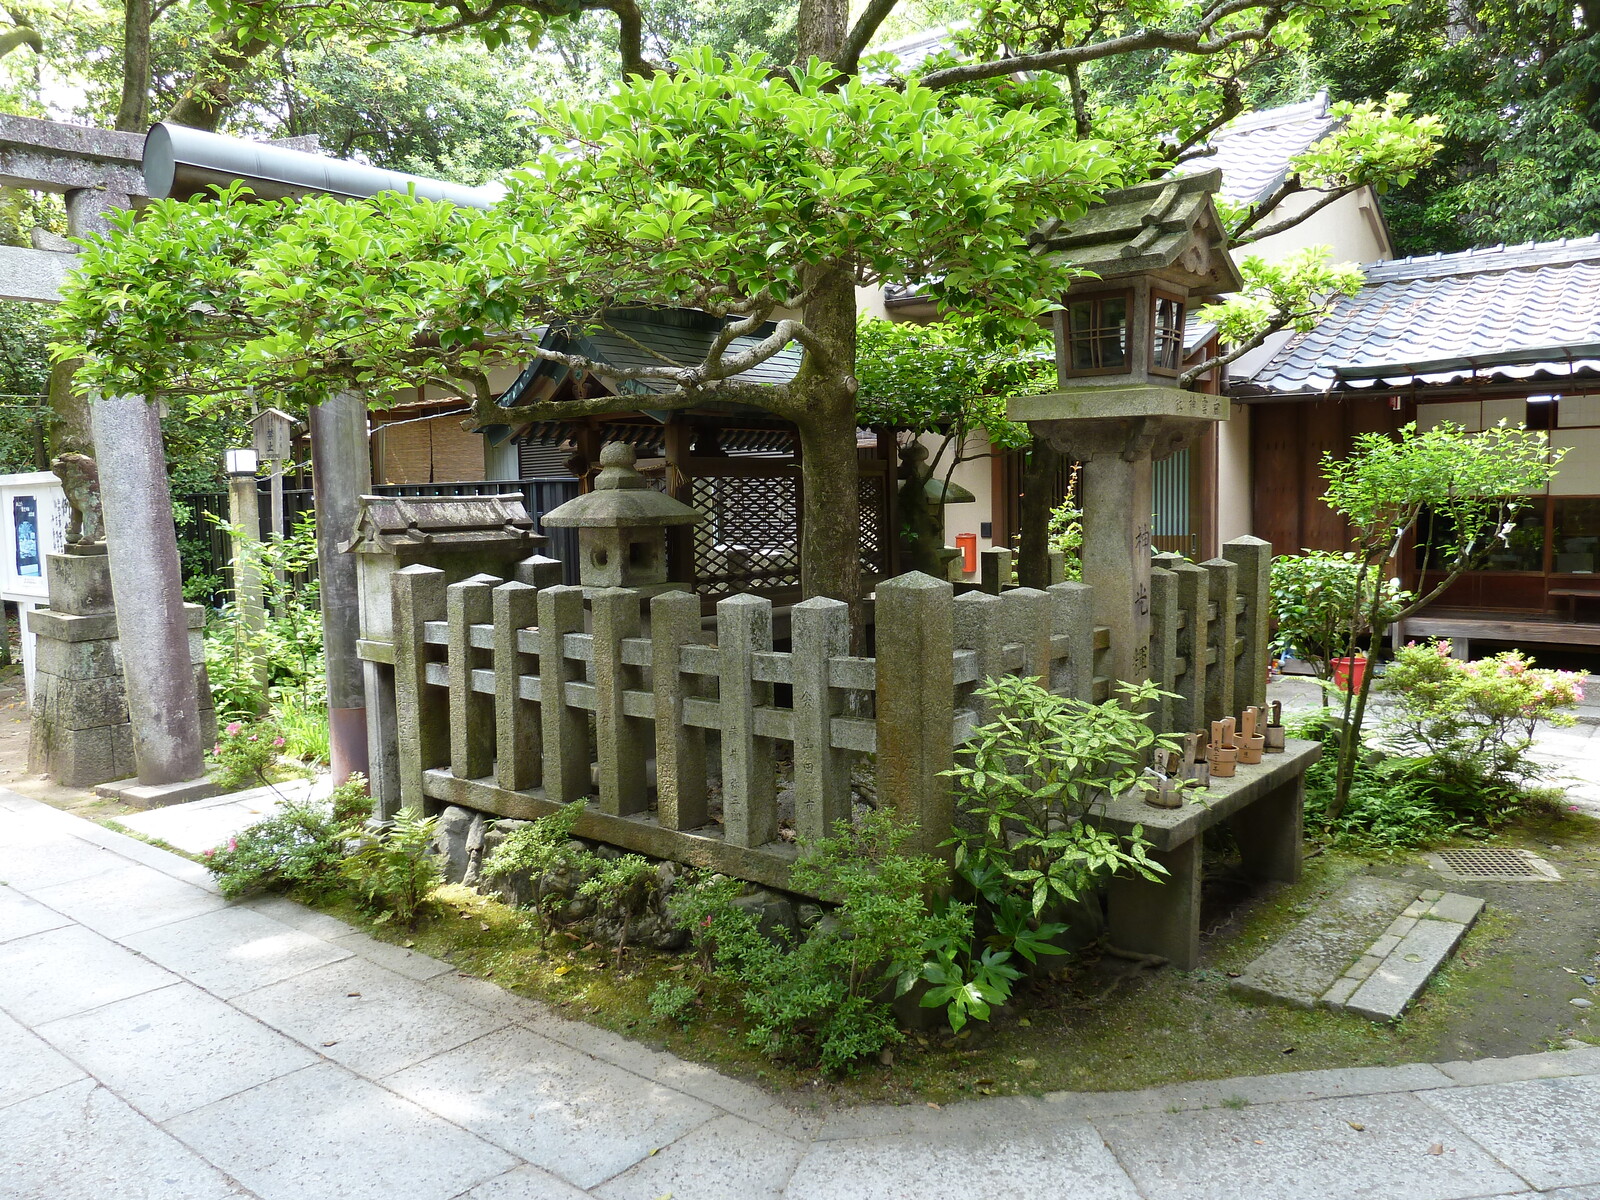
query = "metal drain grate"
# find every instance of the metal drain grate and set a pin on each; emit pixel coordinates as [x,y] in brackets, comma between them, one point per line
[1508,866]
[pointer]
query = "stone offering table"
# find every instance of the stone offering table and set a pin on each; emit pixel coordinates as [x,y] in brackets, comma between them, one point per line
[1264,807]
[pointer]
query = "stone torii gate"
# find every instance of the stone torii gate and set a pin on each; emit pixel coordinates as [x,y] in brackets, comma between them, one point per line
[99,172]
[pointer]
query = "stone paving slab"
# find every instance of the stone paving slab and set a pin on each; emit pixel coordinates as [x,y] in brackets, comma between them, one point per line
[22,917]
[724,1159]
[32,1068]
[576,1117]
[325,1134]
[234,950]
[198,826]
[504,1099]
[1303,964]
[1306,1150]
[1068,1161]
[173,1050]
[80,1142]
[525,1183]
[128,899]
[1547,1130]
[371,1020]
[1401,975]
[71,970]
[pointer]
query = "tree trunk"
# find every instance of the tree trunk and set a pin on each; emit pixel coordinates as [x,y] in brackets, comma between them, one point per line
[820,29]
[209,98]
[133,113]
[1038,498]
[830,522]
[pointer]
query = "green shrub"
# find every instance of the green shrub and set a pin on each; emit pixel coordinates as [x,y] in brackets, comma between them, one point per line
[304,728]
[1027,779]
[279,659]
[827,999]
[1473,721]
[1316,609]
[394,871]
[299,846]
[351,802]
[243,752]
[673,1002]
[1392,806]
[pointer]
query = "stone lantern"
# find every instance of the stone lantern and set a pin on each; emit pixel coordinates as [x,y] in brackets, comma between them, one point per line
[622,526]
[1157,250]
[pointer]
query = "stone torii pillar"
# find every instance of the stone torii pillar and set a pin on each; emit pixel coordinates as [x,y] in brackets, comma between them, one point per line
[152,627]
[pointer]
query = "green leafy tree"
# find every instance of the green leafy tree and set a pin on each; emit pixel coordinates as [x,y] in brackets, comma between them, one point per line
[762,196]
[765,199]
[1470,483]
[951,380]
[1318,611]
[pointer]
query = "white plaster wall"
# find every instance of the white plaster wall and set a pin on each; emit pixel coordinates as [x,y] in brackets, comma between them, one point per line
[1350,225]
[1234,481]
[976,475]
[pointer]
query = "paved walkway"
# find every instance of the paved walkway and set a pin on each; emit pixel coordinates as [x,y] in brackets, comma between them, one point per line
[157,1042]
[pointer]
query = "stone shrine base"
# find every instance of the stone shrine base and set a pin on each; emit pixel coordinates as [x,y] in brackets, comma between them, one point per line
[157,795]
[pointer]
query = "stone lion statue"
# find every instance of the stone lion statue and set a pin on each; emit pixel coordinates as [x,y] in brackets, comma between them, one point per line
[80,478]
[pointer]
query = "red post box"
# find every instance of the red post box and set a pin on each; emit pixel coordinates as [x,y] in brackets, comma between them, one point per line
[967,543]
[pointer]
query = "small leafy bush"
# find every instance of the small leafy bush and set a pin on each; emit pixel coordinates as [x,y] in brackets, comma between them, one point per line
[393,871]
[1473,721]
[304,729]
[1027,779]
[243,752]
[673,1002]
[1066,530]
[1316,607]
[1393,805]
[300,845]
[827,998]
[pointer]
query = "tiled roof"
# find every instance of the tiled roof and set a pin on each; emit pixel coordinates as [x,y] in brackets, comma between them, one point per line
[1253,152]
[660,338]
[1503,312]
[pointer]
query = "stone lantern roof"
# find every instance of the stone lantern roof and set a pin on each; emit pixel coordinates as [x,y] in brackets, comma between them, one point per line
[622,499]
[1167,227]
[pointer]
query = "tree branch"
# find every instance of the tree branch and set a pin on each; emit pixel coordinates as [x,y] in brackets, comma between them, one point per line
[1196,41]
[1242,236]
[862,33]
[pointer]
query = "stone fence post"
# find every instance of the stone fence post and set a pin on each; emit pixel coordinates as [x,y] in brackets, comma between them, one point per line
[1253,557]
[916,704]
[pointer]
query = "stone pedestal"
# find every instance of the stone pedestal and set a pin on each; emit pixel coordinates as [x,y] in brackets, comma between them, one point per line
[80,733]
[1117,434]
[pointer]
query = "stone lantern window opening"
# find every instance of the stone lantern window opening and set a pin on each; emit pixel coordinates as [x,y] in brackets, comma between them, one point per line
[1097,333]
[1166,332]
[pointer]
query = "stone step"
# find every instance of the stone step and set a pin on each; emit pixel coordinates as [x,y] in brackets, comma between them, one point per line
[1306,961]
[1369,949]
[1382,983]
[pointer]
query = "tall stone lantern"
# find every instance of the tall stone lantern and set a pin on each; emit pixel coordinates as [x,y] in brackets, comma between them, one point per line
[622,526]
[1158,250]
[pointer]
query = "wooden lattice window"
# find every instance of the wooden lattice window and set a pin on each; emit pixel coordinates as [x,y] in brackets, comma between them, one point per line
[1097,334]
[1166,333]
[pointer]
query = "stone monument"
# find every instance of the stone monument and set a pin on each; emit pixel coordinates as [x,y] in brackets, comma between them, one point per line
[1157,249]
[622,526]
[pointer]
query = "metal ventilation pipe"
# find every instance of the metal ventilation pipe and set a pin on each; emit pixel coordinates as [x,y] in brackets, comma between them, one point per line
[182,163]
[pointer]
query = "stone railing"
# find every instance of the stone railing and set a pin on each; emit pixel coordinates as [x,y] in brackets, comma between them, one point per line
[510,697]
